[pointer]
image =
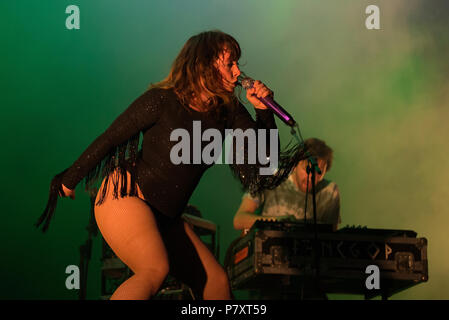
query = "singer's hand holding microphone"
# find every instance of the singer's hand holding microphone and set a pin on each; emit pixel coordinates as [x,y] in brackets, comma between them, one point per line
[257,91]
[262,98]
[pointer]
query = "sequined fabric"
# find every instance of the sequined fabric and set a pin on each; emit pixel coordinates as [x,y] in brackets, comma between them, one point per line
[168,187]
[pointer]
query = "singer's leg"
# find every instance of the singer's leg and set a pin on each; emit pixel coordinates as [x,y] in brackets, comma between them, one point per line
[217,285]
[129,227]
[192,263]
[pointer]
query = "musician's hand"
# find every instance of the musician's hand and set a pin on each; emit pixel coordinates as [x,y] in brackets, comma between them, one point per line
[259,90]
[67,192]
[286,218]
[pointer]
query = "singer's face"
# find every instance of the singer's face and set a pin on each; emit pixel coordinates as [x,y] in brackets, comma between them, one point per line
[301,174]
[229,70]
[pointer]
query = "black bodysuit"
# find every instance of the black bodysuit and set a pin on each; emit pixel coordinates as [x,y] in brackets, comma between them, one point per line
[156,113]
[166,187]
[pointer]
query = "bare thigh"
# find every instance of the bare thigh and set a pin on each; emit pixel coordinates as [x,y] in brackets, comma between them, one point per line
[129,227]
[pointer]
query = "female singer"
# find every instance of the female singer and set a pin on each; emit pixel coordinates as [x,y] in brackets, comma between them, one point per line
[143,193]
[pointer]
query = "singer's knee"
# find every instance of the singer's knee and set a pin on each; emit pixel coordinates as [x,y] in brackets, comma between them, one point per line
[219,278]
[152,276]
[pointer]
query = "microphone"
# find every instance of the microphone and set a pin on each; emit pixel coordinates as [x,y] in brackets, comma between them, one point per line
[247,83]
[313,163]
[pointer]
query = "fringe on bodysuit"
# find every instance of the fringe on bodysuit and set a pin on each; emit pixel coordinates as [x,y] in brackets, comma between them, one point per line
[119,158]
[255,183]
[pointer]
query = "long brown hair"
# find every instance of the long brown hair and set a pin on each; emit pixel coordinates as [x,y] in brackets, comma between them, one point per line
[193,74]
